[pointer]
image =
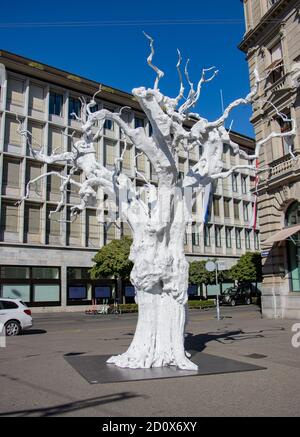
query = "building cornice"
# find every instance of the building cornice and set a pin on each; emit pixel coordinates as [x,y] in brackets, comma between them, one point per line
[250,38]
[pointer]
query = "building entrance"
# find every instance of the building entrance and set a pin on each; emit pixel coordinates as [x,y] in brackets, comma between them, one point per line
[292,218]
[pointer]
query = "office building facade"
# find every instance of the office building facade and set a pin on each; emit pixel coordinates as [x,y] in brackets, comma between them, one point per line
[46,261]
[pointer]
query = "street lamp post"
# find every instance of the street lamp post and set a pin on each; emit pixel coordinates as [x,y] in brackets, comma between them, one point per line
[213,267]
[218,289]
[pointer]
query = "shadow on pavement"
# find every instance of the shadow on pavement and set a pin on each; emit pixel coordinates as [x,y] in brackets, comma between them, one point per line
[197,343]
[72,406]
[34,332]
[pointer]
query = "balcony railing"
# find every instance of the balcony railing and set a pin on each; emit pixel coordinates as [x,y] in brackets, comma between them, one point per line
[284,165]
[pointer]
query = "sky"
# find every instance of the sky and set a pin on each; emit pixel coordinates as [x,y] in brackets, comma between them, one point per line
[104,41]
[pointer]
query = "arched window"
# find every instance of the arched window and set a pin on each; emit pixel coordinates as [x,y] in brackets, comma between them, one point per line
[292,216]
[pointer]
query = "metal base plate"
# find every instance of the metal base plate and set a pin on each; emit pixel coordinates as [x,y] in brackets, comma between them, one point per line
[96,371]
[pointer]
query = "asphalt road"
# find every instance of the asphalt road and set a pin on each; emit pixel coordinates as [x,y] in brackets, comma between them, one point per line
[36,380]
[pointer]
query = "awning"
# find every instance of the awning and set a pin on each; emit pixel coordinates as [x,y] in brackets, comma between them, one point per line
[284,234]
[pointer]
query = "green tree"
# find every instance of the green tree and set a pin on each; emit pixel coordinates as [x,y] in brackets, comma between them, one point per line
[199,275]
[112,260]
[248,268]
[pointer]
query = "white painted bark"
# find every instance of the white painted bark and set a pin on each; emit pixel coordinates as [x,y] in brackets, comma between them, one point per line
[160,272]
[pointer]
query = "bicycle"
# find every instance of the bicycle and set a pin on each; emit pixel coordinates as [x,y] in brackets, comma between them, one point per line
[114,309]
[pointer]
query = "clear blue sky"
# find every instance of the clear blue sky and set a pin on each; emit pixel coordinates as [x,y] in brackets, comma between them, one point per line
[115,54]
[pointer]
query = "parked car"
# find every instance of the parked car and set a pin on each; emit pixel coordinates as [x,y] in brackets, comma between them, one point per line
[15,316]
[240,294]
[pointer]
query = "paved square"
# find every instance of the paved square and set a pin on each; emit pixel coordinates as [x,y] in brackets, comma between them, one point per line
[36,380]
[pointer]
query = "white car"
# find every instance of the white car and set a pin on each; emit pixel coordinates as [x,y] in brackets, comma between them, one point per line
[15,316]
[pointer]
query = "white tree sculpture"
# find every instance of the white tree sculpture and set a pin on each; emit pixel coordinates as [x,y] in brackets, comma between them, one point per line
[160,272]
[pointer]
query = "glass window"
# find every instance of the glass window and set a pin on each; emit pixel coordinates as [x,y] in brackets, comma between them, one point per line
[238,239]
[32,219]
[139,122]
[234,182]
[36,97]
[226,208]
[15,91]
[103,292]
[11,132]
[218,239]
[195,236]
[109,232]
[207,241]
[126,156]
[9,272]
[77,292]
[193,290]
[11,173]
[78,273]
[16,291]
[236,207]
[45,273]
[129,291]
[285,126]
[292,216]
[110,153]
[181,168]
[9,218]
[92,228]
[228,238]
[244,184]
[216,203]
[256,240]
[46,293]
[108,124]
[94,108]
[141,162]
[52,222]
[56,140]
[74,107]
[247,238]
[8,305]
[33,171]
[55,104]
[276,66]
[246,211]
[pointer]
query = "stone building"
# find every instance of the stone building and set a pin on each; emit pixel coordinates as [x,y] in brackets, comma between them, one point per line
[272,39]
[46,261]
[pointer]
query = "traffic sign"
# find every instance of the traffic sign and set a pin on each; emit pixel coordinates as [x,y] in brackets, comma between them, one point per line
[210,266]
[221,265]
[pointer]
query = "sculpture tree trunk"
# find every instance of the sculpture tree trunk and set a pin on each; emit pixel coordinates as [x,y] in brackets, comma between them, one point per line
[160,277]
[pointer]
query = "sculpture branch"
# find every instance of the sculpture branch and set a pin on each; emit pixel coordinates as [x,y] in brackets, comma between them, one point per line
[159,73]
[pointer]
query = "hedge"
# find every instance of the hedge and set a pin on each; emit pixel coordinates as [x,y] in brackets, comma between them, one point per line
[201,304]
[193,304]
